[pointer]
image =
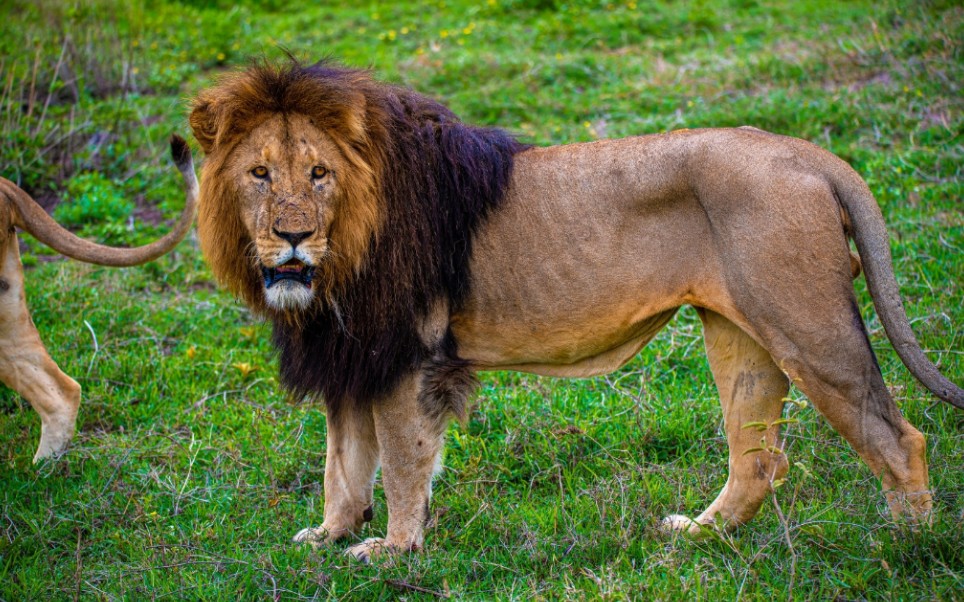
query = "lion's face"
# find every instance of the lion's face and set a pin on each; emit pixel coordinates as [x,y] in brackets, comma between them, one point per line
[287,176]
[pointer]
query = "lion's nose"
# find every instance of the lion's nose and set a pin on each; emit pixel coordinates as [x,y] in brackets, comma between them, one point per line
[293,237]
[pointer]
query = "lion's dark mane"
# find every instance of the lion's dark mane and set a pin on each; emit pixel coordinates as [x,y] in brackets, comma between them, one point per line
[440,180]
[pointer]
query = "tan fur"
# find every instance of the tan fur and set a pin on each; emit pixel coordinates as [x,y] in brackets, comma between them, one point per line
[590,254]
[25,365]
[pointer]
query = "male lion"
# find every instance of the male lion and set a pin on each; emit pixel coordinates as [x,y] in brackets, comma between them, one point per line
[25,365]
[398,251]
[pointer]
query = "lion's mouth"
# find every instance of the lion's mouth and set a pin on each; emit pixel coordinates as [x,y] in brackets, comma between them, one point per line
[290,270]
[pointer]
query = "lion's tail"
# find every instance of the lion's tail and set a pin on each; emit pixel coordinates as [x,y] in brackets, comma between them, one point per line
[870,236]
[32,218]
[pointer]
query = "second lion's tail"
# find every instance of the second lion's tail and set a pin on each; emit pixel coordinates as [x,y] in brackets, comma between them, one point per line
[32,218]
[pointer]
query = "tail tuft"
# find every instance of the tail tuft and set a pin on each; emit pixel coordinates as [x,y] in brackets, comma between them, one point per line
[180,151]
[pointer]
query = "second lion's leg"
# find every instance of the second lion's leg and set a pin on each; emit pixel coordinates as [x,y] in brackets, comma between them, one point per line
[752,389]
[25,365]
[350,465]
[410,441]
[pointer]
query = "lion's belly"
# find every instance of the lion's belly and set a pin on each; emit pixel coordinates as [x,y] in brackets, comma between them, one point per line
[592,347]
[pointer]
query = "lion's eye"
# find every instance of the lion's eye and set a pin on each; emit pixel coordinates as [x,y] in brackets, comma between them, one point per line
[318,172]
[260,172]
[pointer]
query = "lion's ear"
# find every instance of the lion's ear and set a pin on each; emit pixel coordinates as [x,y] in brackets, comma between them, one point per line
[204,122]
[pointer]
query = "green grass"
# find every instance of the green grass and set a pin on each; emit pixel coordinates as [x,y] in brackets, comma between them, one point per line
[191,470]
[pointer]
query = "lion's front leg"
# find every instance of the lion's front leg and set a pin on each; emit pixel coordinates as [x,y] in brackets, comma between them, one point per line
[350,465]
[410,442]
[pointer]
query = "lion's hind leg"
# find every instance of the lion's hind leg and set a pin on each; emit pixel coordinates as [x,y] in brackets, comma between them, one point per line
[25,365]
[842,379]
[752,388]
[350,465]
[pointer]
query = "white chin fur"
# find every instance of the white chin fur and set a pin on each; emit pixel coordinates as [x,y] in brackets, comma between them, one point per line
[288,296]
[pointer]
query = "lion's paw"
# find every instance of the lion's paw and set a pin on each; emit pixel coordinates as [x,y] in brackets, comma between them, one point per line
[677,523]
[55,434]
[371,548]
[313,536]
[319,536]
